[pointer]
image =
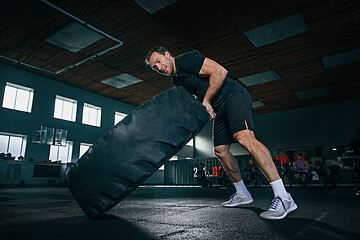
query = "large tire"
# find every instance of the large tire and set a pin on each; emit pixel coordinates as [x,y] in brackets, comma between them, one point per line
[134,149]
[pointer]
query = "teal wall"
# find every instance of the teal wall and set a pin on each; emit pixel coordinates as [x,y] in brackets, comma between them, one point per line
[45,90]
[327,124]
[333,123]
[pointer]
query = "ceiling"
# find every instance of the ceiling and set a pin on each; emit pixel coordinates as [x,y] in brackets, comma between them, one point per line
[216,28]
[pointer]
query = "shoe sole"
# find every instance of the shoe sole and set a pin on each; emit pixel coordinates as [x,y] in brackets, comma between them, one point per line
[293,208]
[238,204]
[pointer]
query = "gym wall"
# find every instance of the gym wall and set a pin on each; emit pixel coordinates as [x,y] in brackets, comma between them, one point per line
[45,91]
[326,124]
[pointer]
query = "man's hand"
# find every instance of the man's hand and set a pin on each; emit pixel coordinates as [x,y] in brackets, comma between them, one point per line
[209,109]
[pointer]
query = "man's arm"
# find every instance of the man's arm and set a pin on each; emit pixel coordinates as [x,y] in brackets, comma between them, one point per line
[217,74]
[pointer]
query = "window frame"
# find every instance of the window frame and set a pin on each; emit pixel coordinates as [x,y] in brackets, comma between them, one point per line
[14,103]
[84,144]
[69,149]
[23,143]
[190,143]
[98,115]
[73,110]
[119,114]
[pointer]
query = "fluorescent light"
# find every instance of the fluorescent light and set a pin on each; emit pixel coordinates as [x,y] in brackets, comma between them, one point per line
[259,78]
[154,5]
[277,30]
[258,104]
[341,58]
[121,81]
[74,37]
[314,93]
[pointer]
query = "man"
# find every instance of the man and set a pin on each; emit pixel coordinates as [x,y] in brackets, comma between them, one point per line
[230,108]
[301,166]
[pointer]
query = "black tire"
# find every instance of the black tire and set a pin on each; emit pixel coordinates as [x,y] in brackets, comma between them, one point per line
[134,149]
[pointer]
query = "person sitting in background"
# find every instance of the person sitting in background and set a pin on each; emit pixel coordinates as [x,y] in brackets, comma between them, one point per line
[300,167]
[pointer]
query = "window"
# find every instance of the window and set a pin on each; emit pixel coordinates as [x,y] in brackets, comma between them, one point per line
[83,148]
[65,108]
[174,158]
[118,117]
[12,143]
[61,153]
[18,97]
[190,143]
[91,115]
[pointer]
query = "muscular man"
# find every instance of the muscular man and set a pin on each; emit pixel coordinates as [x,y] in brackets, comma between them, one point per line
[230,107]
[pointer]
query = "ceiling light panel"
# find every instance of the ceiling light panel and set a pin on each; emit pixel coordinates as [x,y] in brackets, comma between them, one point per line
[341,58]
[74,37]
[277,30]
[257,104]
[154,5]
[314,94]
[259,78]
[121,81]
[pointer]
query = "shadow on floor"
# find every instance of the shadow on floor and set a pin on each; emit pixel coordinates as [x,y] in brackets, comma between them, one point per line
[106,227]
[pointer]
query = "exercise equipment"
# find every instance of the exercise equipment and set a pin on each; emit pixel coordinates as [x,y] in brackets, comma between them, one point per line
[128,154]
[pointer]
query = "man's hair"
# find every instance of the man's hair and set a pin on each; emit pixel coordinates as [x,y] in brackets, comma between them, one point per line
[160,50]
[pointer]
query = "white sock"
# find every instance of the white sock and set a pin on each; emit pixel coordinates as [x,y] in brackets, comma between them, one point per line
[279,188]
[241,188]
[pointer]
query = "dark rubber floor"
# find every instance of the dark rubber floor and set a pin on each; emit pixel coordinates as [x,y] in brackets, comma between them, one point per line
[180,213]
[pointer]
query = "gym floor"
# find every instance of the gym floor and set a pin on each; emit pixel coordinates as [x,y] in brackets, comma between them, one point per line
[160,212]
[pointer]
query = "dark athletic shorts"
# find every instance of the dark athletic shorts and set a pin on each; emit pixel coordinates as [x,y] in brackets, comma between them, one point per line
[234,115]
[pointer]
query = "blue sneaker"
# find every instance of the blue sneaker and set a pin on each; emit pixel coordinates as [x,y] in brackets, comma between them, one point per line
[237,200]
[280,208]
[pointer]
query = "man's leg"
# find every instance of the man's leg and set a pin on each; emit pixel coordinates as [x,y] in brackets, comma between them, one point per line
[259,152]
[282,203]
[231,166]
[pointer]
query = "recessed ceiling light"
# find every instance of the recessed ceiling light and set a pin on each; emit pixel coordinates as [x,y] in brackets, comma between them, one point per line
[74,37]
[121,81]
[257,104]
[154,6]
[259,78]
[277,30]
[341,58]
[314,93]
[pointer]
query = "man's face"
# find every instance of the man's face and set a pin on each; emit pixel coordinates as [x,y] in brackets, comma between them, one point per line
[161,63]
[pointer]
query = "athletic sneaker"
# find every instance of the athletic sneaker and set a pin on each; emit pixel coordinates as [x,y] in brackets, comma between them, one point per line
[237,200]
[280,207]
